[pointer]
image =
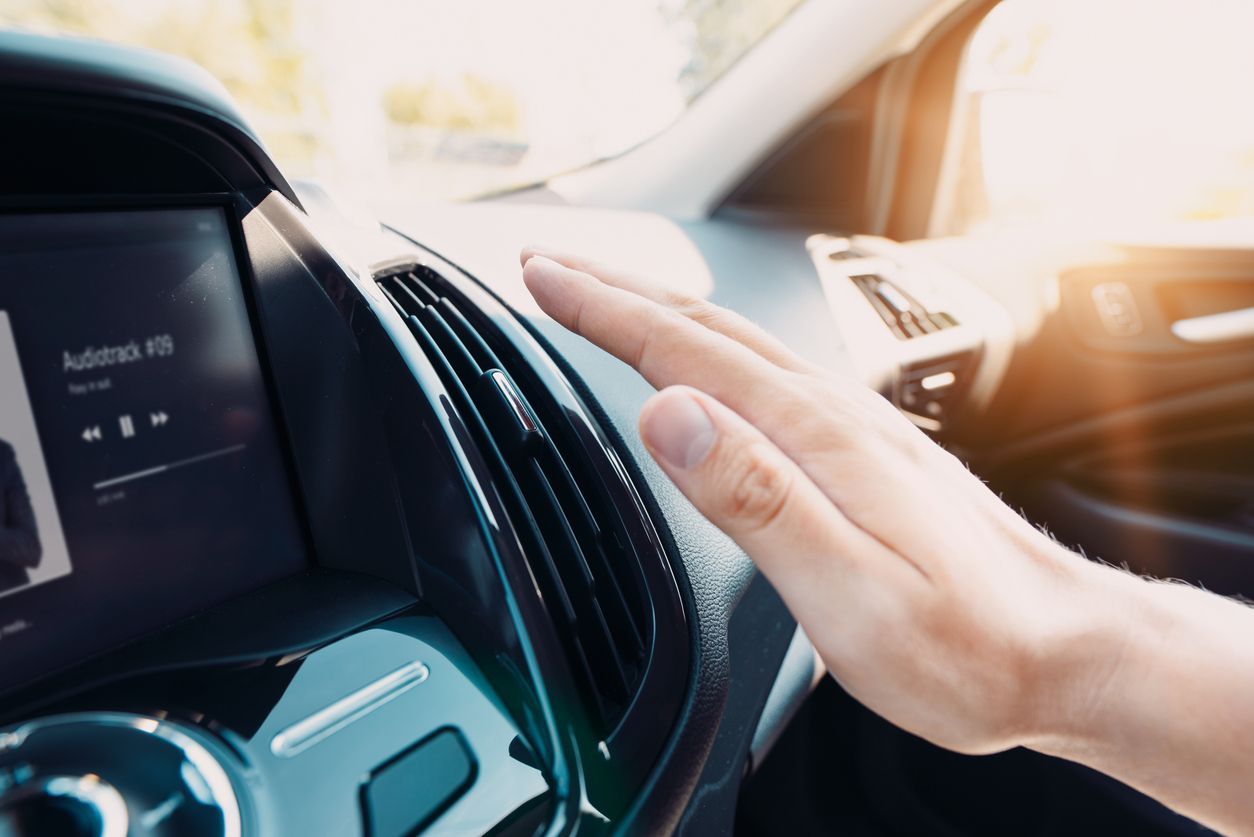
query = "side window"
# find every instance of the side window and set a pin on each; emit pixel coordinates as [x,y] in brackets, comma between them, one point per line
[1111,116]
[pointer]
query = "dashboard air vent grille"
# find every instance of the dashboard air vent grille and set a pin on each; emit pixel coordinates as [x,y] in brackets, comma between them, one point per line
[575,546]
[902,313]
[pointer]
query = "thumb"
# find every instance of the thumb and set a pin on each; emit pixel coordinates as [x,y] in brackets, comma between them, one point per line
[745,485]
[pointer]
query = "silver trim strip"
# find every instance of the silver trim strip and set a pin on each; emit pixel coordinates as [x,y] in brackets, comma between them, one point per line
[514,399]
[1216,328]
[302,735]
[940,380]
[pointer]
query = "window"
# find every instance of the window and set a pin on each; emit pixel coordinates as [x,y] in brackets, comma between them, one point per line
[430,99]
[1105,115]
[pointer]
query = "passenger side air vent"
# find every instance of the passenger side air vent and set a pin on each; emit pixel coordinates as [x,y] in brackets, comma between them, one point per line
[578,551]
[901,312]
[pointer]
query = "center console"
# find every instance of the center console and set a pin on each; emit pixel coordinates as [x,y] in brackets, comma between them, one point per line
[291,541]
[182,650]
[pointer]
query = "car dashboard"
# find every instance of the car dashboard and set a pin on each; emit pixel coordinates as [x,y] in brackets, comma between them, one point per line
[338,533]
[308,547]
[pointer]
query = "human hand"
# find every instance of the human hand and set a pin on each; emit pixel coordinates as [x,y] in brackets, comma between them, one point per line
[928,599]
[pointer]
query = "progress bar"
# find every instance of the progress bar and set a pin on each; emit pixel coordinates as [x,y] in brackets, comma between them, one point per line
[169,466]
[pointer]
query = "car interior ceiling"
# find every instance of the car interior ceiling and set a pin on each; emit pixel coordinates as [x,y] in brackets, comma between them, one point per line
[357,540]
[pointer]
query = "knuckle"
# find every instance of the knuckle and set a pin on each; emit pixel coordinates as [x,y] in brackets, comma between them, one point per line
[754,490]
[814,413]
[710,316]
[866,414]
[698,310]
[577,316]
[655,344]
[680,301]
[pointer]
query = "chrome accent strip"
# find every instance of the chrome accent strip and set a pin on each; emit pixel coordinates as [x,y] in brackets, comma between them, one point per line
[940,380]
[514,399]
[1216,328]
[302,735]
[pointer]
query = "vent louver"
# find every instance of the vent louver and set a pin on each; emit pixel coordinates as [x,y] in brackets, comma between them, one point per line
[902,313]
[574,542]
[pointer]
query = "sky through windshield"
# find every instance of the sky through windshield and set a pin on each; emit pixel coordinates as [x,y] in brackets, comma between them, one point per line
[391,101]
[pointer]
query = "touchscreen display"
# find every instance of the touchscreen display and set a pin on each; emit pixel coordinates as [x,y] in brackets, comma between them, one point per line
[141,477]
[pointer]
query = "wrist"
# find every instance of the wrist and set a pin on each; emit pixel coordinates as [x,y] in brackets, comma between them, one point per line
[1101,640]
[1159,696]
[1136,647]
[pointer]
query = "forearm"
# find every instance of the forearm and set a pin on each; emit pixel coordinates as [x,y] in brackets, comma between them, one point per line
[1165,698]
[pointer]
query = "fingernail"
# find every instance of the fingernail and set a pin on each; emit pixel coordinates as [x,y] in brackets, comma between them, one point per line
[678,428]
[540,269]
[531,251]
[558,277]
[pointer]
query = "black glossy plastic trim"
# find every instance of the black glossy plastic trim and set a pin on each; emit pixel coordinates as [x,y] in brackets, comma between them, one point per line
[118,94]
[637,738]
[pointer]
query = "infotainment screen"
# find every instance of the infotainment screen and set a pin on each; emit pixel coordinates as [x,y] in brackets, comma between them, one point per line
[141,476]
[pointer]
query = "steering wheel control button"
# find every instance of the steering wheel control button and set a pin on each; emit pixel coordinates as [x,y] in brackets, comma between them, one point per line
[409,792]
[113,774]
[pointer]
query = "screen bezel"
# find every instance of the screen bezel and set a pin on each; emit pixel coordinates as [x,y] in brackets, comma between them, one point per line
[230,205]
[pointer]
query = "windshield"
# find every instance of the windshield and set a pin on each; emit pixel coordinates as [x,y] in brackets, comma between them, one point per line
[397,101]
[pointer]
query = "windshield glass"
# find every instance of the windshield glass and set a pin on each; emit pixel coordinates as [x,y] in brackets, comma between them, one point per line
[397,101]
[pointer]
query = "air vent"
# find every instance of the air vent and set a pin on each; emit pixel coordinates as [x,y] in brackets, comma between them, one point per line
[928,389]
[577,549]
[902,313]
[842,249]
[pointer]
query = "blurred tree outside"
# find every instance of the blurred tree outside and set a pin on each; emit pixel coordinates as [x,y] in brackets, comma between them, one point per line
[468,120]
[719,32]
[468,103]
[385,100]
[249,45]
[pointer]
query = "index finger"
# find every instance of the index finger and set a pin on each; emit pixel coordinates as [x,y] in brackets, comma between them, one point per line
[701,311]
[664,346]
[830,431]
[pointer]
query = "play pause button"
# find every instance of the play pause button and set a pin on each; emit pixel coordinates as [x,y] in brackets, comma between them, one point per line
[158,418]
